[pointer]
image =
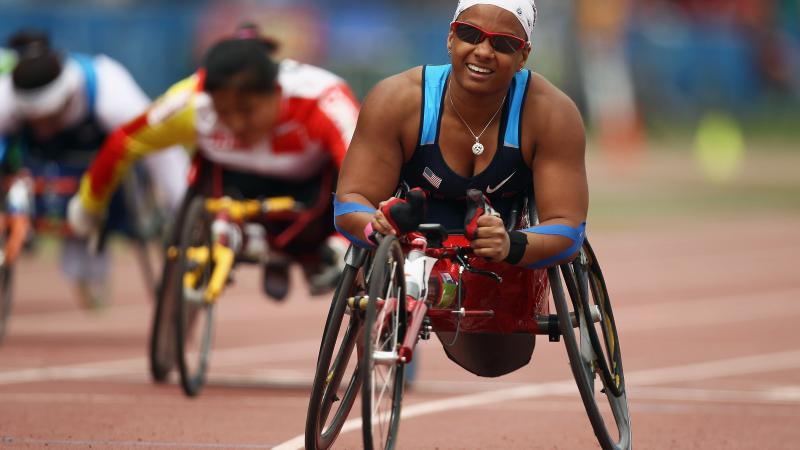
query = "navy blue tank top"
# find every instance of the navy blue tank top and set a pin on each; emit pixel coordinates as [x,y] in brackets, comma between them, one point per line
[505,178]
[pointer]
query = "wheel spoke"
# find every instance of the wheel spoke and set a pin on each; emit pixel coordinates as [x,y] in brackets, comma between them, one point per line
[381,401]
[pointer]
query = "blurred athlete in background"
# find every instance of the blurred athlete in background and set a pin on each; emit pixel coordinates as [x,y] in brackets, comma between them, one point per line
[56,110]
[274,127]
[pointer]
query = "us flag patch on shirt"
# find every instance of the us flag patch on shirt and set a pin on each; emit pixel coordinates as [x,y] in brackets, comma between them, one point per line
[431,177]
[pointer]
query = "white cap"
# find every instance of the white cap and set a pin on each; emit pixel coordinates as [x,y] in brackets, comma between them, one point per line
[49,98]
[523,10]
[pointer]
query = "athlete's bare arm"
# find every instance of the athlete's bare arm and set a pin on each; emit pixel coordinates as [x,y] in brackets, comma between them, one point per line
[554,142]
[384,137]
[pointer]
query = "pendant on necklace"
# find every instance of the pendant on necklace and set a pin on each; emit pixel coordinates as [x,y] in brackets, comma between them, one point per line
[477,148]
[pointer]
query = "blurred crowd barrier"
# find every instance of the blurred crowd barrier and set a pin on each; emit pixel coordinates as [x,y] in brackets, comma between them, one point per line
[629,64]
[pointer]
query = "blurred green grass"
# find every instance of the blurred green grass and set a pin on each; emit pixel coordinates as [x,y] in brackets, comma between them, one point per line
[663,183]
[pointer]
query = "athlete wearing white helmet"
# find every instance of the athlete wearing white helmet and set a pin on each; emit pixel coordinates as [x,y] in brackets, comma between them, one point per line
[57,109]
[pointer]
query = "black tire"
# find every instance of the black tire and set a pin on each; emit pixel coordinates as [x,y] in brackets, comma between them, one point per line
[588,354]
[339,338]
[6,294]
[162,330]
[384,330]
[194,316]
[606,342]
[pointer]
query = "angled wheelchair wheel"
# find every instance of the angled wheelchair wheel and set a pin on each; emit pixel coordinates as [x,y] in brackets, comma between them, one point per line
[337,378]
[6,284]
[162,329]
[194,315]
[384,330]
[592,345]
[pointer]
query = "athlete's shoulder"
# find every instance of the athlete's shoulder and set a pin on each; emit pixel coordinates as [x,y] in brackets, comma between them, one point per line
[193,84]
[550,114]
[544,94]
[108,69]
[305,80]
[103,62]
[403,90]
[408,79]
[547,101]
[179,97]
[7,116]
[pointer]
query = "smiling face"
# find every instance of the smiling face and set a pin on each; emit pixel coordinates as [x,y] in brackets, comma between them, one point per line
[480,68]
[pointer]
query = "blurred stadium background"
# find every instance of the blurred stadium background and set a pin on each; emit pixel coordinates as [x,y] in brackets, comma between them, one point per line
[692,110]
[696,99]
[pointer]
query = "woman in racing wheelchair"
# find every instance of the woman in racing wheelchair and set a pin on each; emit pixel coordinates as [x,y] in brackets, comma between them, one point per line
[485,123]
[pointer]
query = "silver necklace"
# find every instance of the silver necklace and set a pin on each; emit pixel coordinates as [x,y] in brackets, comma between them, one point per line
[477,147]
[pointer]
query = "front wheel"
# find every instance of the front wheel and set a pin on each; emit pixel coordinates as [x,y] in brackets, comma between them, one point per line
[162,331]
[331,400]
[384,326]
[194,314]
[593,347]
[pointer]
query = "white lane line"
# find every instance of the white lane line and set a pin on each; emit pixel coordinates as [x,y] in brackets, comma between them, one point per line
[221,358]
[687,372]
[716,369]
[238,401]
[41,443]
[648,316]
[766,396]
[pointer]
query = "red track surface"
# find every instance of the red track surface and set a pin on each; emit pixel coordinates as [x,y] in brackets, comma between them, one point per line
[707,313]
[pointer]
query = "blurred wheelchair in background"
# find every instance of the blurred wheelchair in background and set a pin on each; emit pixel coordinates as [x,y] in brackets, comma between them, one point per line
[135,213]
[215,230]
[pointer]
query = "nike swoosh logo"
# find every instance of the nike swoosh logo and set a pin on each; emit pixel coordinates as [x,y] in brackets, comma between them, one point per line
[490,189]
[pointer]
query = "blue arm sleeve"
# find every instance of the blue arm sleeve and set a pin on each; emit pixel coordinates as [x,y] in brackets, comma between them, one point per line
[576,235]
[342,208]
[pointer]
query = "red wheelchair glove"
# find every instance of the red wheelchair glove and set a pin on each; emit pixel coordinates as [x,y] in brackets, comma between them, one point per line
[405,215]
[477,205]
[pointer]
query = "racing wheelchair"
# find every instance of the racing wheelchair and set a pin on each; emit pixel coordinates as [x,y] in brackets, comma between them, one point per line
[134,212]
[204,247]
[427,282]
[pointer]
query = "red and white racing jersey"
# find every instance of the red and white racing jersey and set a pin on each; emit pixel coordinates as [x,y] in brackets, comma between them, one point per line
[317,118]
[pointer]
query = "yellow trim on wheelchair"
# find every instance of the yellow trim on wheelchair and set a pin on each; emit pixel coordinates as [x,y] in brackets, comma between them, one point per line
[196,261]
[279,204]
[244,209]
[223,263]
[199,258]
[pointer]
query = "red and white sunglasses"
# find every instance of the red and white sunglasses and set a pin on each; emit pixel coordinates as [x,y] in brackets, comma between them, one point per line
[501,42]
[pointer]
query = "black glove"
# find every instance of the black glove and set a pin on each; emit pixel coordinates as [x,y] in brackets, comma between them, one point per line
[405,215]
